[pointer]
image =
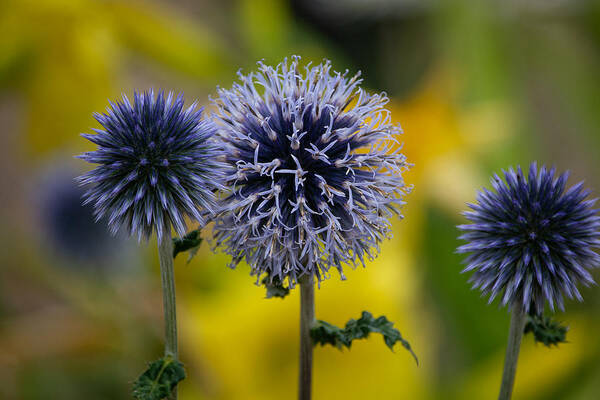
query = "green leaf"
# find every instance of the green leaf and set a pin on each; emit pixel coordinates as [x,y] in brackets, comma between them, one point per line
[324,333]
[275,288]
[545,330]
[190,242]
[159,380]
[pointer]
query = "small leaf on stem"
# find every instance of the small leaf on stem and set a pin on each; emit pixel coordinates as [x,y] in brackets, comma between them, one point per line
[159,380]
[545,330]
[190,242]
[325,333]
[275,288]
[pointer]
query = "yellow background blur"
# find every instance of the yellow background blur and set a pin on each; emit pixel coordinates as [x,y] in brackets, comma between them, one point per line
[476,85]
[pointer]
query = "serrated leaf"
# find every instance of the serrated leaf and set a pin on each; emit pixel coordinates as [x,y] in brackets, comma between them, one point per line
[545,330]
[190,242]
[324,333]
[159,380]
[275,288]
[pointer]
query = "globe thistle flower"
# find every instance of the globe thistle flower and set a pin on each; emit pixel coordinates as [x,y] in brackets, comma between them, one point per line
[315,171]
[531,241]
[67,227]
[157,165]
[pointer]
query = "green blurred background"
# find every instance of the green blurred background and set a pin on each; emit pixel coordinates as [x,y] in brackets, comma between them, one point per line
[476,85]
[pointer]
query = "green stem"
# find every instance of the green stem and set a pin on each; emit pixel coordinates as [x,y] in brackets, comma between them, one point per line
[165,254]
[517,324]
[307,320]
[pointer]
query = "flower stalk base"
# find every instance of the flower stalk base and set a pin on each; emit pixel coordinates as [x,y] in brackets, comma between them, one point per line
[517,325]
[165,253]
[307,320]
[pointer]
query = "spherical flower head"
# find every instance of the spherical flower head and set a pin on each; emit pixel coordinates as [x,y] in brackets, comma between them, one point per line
[531,241]
[157,165]
[67,226]
[315,171]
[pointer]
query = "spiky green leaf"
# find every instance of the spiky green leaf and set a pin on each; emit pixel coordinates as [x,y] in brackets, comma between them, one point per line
[324,333]
[190,242]
[159,380]
[275,288]
[545,330]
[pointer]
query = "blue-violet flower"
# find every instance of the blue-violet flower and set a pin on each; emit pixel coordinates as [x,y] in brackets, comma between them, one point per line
[531,241]
[158,163]
[315,171]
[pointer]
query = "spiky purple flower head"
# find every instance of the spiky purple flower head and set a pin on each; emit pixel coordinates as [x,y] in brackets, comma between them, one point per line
[531,241]
[315,171]
[157,165]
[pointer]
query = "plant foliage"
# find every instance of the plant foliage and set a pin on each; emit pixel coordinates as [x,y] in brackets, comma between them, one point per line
[275,288]
[325,333]
[159,380]
[545,330]
[190,242]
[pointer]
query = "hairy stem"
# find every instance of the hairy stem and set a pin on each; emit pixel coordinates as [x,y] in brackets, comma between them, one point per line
[165,253]
[517,324]
[307,319]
